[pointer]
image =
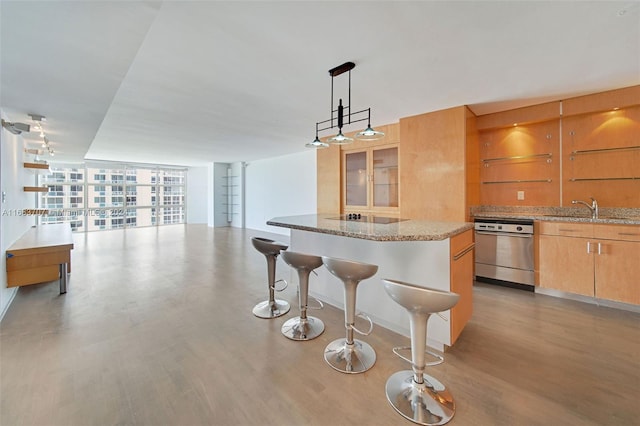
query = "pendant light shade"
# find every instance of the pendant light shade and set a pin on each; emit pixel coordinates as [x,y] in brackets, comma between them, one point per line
[369,134]
[317,143]
[340,139]
[338,116]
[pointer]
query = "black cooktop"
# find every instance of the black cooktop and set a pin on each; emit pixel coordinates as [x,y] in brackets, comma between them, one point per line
[354,217]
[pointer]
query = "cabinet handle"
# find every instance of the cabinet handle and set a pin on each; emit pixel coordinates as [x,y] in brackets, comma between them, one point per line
[463,252]
[599,249]
[588,247]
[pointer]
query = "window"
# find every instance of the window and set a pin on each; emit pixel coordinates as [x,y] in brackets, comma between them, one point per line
[118,197]
[75,177]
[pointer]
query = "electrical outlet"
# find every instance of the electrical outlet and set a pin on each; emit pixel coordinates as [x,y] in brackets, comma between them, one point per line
[520,195]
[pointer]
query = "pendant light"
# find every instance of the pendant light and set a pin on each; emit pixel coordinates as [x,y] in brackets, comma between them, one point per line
[338,115]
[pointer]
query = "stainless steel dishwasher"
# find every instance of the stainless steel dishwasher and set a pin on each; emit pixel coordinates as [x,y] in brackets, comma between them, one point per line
[504,252]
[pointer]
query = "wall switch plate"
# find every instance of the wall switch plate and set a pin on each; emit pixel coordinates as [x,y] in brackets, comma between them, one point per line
[520,195]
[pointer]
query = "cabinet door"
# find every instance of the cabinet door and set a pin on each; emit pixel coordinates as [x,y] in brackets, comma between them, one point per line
[617,271]
[356,179]
[566,264]
[371,179]
[385,177]
[461,270]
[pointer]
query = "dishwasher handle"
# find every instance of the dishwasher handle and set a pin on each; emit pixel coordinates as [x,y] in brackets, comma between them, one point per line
[504,234]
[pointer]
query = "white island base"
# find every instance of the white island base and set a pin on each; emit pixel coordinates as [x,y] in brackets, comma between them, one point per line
[424,263]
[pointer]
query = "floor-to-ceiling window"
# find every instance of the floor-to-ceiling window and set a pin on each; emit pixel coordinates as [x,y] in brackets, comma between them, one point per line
[104,196]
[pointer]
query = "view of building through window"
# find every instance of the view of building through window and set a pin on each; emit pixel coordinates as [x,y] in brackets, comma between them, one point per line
[95,197]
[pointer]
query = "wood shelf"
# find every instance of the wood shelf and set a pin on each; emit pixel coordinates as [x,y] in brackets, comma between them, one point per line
[605,178]
[519,181]
[518,157]
[599,150]
[35,189]
[38,168]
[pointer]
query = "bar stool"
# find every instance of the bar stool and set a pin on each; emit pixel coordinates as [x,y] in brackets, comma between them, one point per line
[417,396]
[303,327]
[350,355]
[273,307]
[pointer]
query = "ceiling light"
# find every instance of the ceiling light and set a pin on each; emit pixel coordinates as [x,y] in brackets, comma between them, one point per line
[369,134]
[317,143]
[38,120]
[337,116]
[340,139]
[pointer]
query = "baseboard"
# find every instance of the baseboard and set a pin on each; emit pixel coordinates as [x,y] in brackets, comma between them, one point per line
[11,297]
[587,299]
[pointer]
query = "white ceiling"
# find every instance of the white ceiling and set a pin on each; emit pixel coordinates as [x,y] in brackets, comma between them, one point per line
[188,83]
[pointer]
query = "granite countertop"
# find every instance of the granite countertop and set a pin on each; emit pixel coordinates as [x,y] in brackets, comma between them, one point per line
[613,216]
[404,230]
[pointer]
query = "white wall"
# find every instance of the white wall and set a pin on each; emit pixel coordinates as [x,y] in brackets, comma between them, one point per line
[13,176]
[199,195]
[280,186]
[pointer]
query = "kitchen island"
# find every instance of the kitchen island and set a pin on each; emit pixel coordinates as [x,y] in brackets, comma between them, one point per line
[431,254]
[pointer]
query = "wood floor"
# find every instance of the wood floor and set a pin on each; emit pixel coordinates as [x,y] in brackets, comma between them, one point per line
[156,328]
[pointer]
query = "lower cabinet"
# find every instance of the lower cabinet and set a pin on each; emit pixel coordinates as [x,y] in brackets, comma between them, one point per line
[461,276]
[617,270]
[565,264]
[594,260]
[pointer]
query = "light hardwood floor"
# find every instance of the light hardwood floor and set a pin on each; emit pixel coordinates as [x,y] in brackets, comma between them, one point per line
[156,328]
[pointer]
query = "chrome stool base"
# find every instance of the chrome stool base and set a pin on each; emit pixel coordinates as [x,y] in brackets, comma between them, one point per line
[428,403]
[268,309]
[356,358]
[299,329]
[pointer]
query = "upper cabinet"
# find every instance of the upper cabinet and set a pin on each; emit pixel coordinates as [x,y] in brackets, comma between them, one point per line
[365,181]
[438,165]
[371,179]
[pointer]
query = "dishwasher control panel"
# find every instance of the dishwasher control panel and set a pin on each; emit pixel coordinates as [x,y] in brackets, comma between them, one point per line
[504,226]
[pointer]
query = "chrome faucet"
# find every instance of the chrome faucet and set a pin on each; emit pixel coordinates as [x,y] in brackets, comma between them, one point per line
[593,207]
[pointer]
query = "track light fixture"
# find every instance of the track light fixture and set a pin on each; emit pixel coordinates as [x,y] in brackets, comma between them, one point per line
[38,126]
[337,116]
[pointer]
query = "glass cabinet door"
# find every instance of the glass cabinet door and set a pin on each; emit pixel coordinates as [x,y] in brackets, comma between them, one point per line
[385,177]
[356,179]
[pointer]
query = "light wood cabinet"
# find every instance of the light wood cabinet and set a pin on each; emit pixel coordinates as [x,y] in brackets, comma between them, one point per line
[617,271]
[565,264]
[594,260]
[371,179]
[439,169]
[461,260]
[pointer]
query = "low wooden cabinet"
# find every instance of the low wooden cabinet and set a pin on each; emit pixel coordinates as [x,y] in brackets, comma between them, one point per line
[594,260]
[462,254]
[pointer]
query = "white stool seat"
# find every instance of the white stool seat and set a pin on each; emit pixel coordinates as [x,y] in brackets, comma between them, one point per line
[417,299]
[267,246]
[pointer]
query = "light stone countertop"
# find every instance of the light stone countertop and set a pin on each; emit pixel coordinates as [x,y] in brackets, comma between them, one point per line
[405,230]
[612,216]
